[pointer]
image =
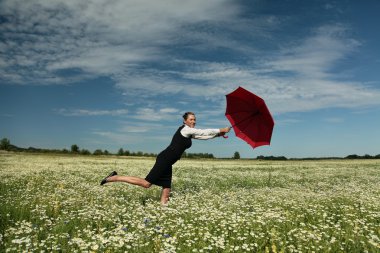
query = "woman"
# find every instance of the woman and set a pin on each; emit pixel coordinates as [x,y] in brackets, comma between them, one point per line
[161,173]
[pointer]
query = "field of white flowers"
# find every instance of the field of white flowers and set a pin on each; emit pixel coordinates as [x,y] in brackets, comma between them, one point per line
[55,204]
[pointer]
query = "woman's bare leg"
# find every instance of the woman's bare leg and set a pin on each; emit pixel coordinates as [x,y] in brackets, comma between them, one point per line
[130,180]
[165,194]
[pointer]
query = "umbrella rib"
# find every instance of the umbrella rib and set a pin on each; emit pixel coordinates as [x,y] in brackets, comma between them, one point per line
[243,129]
[247,118]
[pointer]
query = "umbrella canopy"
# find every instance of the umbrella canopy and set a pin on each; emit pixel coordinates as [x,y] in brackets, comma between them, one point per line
[249,117]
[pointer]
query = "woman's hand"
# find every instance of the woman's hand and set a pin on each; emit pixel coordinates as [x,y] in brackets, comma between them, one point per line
[224,130]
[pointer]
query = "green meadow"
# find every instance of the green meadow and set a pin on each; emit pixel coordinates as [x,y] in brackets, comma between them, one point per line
[54,203]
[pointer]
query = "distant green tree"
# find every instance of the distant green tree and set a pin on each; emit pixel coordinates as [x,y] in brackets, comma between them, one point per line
[5,144]
[106,152]
[127,153]
[236,155]
[120,152]
[98,152]
[74,148]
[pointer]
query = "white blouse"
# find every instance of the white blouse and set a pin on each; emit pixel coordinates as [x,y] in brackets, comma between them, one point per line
[200,134]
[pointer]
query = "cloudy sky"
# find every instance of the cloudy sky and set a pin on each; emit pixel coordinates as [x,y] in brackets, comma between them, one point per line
[119,74]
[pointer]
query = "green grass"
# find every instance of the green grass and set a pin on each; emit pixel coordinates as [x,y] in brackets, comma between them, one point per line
[55,204]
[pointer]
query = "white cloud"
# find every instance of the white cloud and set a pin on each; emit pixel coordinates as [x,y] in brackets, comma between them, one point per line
[334,120]
[288,121]
[299,78]
[132,126]
[133,42]
[117,137]
[97,37]
[131,133]
[149,114]
[316,55]
[85,112]
[168,110]
[308,82]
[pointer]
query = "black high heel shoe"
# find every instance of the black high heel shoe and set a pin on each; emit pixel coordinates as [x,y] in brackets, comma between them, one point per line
[113,173]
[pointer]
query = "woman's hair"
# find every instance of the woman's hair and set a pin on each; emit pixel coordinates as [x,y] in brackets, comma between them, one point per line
[186,115]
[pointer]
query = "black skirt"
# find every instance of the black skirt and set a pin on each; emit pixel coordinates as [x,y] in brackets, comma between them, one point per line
[161,173]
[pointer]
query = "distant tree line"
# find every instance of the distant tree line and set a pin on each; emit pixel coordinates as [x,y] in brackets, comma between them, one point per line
[283,158]
[363,157]
[123,152]
[276,158]
[5,144]
[197,155]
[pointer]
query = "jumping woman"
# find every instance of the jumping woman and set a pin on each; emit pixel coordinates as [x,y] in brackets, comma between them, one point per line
[161,173]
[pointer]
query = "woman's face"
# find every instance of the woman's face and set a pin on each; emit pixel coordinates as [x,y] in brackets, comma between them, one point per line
[190,121]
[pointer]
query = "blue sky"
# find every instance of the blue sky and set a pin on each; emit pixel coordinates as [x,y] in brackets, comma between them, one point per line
[119,74]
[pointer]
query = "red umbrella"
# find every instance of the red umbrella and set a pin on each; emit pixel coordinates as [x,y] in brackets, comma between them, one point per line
[250,117]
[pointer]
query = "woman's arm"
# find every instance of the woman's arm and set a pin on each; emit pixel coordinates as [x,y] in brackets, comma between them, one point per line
[203,134]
